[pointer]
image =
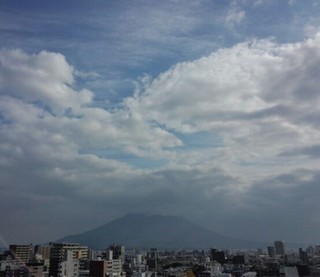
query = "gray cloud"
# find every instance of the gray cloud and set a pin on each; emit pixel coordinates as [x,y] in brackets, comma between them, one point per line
[286,202]
[312,151]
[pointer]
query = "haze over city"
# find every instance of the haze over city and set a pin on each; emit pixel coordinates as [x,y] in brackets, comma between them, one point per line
[208,110]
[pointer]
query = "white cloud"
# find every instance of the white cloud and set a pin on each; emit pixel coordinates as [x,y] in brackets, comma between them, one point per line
[310,30]
[43,83]
[251,94]
[46,77]
[260,97]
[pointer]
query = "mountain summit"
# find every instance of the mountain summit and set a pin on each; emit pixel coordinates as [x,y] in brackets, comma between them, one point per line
[163,232]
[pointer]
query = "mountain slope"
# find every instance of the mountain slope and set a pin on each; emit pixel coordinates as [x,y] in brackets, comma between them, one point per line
[141,231]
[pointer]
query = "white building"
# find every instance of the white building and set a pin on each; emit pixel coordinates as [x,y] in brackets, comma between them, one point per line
[290,271]
[70,266]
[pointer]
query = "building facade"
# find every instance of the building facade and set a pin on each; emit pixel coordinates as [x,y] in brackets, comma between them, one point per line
[57,255]
[280,247]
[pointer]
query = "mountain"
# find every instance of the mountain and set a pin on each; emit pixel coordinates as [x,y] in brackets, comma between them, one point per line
[163,232]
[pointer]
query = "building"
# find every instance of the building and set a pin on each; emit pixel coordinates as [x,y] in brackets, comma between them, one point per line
[15,272]
[271,251]
[43,250]
[144,274]
[291,271]
[69,267]
[152,260]
[250,274]
[98,268]
[218,256]
[304,270]
[118,251]
[21,252]
[238,259]
[16,268]
[179,272]
[279,247]
[303,256]
[42,255]
[114,267]
[35,269]
[11,267]
[109,255]
[57,256]
[102,268]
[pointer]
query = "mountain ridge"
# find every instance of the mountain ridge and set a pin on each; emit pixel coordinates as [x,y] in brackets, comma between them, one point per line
[163,232]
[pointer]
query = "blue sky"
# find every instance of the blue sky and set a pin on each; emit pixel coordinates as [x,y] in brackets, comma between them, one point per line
[110,107]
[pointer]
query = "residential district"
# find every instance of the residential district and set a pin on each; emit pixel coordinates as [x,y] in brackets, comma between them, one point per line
[73,259]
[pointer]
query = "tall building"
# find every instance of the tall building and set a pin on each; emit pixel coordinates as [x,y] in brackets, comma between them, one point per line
[57,255]
[218,256]
[115,256]
[271,251]
[279,247]
[109,255]
[152,259]
[69,266]
[43,250]
[21,252]
[118,251]
[303,256]
[42,255]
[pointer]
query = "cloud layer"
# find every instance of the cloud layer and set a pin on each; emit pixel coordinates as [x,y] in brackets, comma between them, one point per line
[65,160]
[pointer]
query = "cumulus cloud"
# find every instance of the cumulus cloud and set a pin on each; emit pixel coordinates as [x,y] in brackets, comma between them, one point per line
[45,126]
[37,92]
[252,93]
[260,98]
[46,78]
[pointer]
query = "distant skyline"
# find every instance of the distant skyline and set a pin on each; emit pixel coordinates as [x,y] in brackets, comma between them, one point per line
[203,109]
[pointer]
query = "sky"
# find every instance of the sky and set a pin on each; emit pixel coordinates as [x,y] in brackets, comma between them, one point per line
[209,110]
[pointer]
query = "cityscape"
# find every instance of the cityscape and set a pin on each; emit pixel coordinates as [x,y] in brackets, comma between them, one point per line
[159,138]
[75,260]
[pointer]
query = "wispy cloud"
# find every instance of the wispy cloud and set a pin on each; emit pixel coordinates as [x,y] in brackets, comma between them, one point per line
[235,16]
